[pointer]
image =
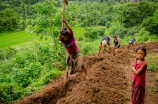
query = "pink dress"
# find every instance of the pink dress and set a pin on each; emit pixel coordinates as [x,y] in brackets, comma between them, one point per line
[138,84]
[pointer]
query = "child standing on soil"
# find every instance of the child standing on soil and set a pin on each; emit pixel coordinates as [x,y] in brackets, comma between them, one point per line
[139,76]
[73,58]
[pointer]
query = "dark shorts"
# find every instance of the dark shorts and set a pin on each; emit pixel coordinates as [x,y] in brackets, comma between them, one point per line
[118,46]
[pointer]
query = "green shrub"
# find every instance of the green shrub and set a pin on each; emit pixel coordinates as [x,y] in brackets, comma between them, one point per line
[29,66]
[151,67]
[125,40]
[101,31]
[94,32]
[7,53]
[121,32]
[114,27]
[151,23]
[142,36]
[86,49]
[80,38]
[105,19]
[108,24]
[86,34]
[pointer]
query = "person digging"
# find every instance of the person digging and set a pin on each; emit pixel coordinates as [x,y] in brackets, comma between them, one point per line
[116,44]
[103,44]
[73,57]
[132,43]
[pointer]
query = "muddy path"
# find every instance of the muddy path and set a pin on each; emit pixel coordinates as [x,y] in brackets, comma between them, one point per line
[109,81]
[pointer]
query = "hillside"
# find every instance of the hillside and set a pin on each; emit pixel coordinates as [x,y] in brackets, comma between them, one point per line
[109,81]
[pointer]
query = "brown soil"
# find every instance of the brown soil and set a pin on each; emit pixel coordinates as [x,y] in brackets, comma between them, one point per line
[109,81]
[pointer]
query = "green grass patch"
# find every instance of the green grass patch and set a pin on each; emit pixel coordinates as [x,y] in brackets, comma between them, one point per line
[88,46]
[151,67]
[152,62]
[15,38]
[126,97]
[78,31]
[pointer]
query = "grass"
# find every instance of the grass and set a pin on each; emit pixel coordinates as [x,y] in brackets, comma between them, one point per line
[9,39]
[15,38]
[152,62]
[126,97]
[87,46]
[151,67]
[77,32]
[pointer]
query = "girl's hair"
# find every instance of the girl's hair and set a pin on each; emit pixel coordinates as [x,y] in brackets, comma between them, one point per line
[65,32]
[141,48]
[115,36]
[65,28]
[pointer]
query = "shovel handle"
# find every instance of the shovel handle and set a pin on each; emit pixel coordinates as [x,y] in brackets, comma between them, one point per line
[63,13]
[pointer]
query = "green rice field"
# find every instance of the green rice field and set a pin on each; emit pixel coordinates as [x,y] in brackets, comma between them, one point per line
[8,39]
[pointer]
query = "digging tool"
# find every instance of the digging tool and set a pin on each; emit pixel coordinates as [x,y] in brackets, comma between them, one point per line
[64,2]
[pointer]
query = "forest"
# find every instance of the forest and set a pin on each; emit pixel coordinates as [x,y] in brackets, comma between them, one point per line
[28,67]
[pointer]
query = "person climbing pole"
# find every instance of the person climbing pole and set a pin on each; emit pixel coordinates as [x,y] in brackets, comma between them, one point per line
[104,43]
[116,43]
[131,43]
[74,57]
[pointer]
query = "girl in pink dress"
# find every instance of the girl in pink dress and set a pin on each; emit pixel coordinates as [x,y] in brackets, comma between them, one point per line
[139,75]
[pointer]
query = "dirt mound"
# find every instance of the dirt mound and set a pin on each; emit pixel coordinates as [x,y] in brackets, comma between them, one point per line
[108,81]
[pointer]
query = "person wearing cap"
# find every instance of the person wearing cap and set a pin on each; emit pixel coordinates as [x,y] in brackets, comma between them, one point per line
[131,43]
[73,57]
[116,42]
[104,43]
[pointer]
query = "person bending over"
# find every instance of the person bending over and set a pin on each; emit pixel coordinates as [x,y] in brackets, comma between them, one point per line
[116,42]
[104,43]
[131,43]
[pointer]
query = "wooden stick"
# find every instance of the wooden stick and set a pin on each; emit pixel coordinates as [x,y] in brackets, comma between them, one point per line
[63,12]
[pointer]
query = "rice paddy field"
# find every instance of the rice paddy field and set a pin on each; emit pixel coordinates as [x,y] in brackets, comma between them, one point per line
[9,39]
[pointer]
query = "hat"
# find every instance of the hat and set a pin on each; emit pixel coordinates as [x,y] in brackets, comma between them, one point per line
[104,43]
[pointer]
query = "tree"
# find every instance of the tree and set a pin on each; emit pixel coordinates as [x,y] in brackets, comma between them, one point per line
[151,23]
[47,15]
[8,21]
[135,13]
[24,14]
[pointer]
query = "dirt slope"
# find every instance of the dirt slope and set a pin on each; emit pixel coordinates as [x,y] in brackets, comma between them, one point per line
[109,82]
